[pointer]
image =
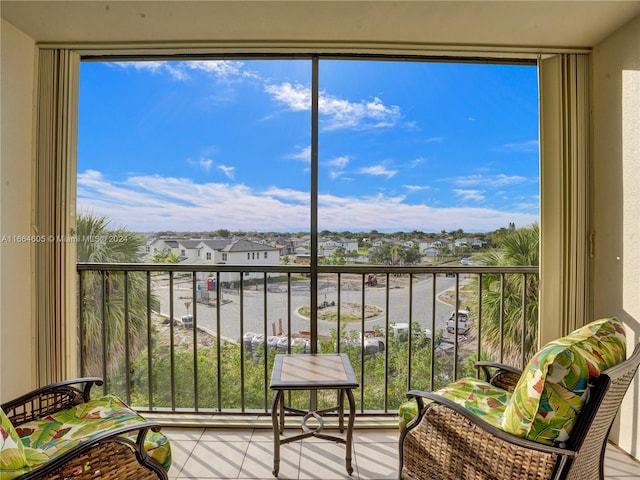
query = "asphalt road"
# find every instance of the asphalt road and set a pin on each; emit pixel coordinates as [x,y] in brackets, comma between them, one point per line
[260,319]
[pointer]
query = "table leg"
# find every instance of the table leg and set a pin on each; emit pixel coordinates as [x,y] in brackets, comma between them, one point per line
[352,416]
[282,412]
[341,410]
[276,422]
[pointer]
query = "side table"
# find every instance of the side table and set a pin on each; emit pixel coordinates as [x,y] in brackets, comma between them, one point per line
[331,371]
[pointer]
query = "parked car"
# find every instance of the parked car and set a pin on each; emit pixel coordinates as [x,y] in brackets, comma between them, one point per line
[464,322]
[401,327]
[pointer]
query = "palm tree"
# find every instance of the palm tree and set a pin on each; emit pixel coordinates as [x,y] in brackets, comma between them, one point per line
[397,254]
[96,242]
[521,248]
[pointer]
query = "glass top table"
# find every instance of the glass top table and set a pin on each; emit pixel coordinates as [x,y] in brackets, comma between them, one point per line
[332,371]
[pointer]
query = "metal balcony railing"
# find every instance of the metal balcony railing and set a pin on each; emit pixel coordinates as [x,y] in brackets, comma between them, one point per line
[201,339]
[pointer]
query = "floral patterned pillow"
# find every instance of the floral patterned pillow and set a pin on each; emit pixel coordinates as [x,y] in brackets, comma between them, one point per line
[57,433]
[554,385]
[480,398]
[13,462]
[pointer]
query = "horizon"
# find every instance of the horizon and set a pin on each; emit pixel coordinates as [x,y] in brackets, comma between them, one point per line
[195,235]
[225,145]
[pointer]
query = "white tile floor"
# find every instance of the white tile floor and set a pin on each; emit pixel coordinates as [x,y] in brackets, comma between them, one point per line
[218,453]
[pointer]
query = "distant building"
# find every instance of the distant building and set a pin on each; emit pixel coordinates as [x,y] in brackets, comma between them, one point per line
[218,252]
[246,252]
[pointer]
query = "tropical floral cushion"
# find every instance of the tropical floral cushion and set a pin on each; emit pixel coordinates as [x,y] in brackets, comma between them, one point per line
[13,461]
[406,412]
[57,433]
[480,398]
[554,385]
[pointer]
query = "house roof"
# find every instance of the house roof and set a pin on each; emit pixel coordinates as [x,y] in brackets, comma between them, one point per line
[247,246]
[190,244]
[216,244]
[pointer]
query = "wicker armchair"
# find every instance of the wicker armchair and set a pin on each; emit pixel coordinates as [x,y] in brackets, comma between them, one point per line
[116,454]
[446,440]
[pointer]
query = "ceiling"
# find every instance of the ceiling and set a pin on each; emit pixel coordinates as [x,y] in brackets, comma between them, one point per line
[522,24]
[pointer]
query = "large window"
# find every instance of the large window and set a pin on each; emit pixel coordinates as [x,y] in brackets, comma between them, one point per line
[316,159]
[226,146]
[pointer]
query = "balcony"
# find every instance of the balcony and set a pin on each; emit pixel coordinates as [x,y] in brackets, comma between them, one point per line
[201,340]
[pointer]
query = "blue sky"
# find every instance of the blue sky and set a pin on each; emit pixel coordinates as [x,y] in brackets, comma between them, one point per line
[208,145]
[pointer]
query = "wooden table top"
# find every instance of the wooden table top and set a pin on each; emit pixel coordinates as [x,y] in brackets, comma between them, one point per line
[312,372]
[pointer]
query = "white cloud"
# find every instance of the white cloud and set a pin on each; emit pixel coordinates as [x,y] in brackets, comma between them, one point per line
[416,162]
[203,163]
[152,66]
[417,188]
[221,69]
[339,162]
[153,203]
[337,113]
[228,171]
[519,147]
[378,170]
[176,72]
[295,96]
[337,166]
[493,181]
[433,140]
[289,195]
[365,114]
[473,195]
[303,154]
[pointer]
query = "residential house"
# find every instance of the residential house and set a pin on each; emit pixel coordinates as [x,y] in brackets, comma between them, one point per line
[430,252]
[328,247]
[246,252]
[478,244]
[211,250]
[441,244]
[587,52]
[462,242]
[220,251]
[163,246]
[188,250]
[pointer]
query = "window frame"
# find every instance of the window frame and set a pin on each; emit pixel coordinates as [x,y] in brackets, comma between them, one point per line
[565,228]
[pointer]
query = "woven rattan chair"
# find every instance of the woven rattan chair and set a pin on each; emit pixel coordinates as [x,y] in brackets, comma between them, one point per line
[447,441]
[110,455]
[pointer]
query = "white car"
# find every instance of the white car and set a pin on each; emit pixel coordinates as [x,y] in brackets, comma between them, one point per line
[464,322]
[404,327]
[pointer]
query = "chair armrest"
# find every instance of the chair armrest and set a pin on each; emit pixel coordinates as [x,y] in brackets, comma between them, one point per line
[447,441]
[109,454]
[484,365]
[49,399]
[499,374]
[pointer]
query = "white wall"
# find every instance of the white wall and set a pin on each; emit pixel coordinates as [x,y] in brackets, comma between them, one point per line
[16,94]
[616,200]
